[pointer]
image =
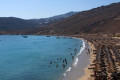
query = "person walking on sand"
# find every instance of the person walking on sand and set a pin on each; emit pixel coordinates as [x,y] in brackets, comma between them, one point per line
[88,51]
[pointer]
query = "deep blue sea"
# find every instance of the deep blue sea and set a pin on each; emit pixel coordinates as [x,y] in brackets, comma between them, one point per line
[29,58]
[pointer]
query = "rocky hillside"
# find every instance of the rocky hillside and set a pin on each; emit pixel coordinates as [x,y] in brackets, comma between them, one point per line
[50,20]
[104,19]
[13,25]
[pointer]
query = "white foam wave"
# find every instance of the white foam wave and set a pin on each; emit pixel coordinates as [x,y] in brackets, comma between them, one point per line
[76,58]
[82,48]
[67,71]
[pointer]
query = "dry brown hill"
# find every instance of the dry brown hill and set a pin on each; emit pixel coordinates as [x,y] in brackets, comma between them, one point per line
[102,19]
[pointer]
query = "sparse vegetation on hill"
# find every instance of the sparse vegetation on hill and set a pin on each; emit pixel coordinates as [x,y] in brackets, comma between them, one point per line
[102,19]
[12,25]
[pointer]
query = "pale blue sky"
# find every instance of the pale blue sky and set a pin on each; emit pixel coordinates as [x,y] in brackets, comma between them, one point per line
[27,9]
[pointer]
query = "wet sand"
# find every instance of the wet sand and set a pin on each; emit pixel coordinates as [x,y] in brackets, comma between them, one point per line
[88,72]
[79,70]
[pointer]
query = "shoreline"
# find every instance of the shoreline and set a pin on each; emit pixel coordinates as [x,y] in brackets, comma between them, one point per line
[99,44]
[78,68]
[88,72]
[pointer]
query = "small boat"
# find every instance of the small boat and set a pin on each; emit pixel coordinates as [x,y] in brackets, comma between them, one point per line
[25,36]
[58,37]
[48,36]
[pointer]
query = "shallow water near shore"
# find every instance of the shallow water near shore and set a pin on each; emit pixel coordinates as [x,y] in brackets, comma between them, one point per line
[29,58]
[83,60]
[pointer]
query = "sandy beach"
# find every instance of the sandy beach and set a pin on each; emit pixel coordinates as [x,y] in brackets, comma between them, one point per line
[105,58]
[80,71]
[88,72]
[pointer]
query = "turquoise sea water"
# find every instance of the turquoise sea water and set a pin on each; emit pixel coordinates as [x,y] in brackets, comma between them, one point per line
[29,58]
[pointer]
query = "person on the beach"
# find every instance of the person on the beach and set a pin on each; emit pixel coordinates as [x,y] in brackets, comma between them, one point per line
[75,50]
[72,57]
[63,65]
[65,60]
[56,65]
[50,62]
[88,51]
